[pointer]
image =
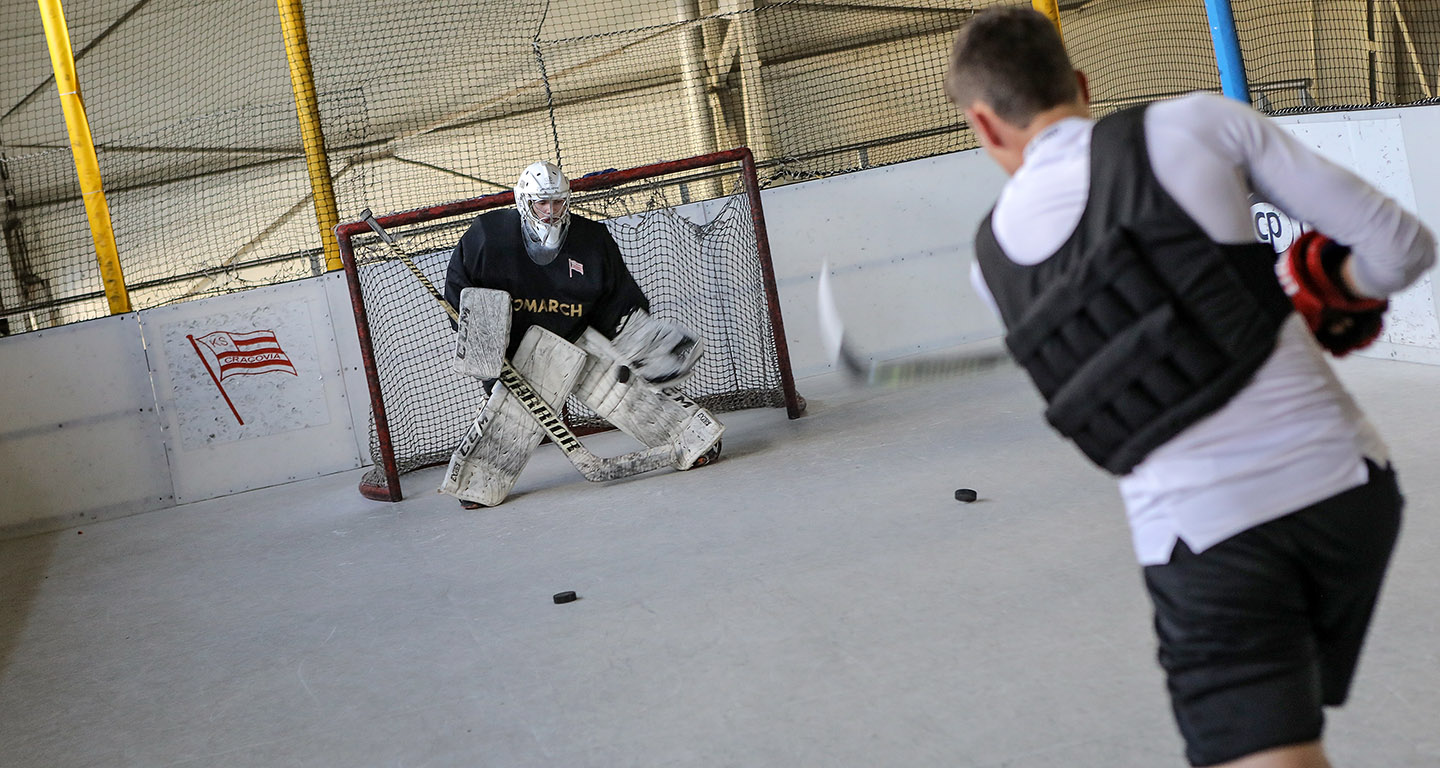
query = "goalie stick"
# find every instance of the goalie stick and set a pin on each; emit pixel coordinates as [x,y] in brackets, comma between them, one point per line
[894,373]
[594,468]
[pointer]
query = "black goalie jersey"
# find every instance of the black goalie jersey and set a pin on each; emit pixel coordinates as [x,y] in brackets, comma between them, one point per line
[587,284]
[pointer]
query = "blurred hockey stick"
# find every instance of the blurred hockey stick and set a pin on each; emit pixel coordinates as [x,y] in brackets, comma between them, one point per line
[594,468]
[893,373]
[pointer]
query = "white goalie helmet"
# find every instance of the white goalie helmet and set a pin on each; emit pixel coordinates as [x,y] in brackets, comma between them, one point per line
[544,226]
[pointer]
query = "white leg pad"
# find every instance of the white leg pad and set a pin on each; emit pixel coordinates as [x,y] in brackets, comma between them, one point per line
[498,444]
[642,410]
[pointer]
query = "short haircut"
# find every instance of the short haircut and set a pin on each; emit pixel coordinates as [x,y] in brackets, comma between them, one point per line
[1013,60]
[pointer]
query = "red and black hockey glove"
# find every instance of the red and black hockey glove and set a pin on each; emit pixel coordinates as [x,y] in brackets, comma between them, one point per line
[1340,320]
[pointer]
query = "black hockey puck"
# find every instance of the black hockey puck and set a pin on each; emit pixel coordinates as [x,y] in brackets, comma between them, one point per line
[965,494]
[622,374]
[564,597]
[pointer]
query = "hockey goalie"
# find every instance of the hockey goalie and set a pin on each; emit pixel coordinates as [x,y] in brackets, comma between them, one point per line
[548,291]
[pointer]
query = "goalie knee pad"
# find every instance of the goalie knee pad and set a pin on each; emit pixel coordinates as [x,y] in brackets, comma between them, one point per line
[504,434]
[642,410]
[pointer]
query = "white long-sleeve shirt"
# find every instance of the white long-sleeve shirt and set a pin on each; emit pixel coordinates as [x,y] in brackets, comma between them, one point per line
[1293,436]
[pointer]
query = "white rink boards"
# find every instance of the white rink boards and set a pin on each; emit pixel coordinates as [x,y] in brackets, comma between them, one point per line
[898,239]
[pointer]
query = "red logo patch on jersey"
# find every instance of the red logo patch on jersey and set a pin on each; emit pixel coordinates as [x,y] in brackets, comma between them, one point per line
[576,266]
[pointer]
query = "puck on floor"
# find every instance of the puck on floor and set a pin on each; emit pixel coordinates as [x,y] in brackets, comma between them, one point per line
[564,597]
[622,374]
[965,494]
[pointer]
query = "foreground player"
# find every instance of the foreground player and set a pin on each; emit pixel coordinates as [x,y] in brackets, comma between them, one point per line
[563,273]
[1120,256]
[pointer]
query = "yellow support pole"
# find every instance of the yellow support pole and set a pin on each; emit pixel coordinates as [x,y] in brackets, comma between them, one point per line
[1050,8]
[307,108]
[82,146]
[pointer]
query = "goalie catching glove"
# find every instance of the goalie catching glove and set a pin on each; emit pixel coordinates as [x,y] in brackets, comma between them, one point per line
[658,350]
[1310,272]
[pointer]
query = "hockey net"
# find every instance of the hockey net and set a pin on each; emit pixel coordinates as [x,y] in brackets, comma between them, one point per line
[691,231]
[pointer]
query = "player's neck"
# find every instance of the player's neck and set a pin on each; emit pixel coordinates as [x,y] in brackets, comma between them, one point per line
[1079,107]
[1049,117]
[1005,142]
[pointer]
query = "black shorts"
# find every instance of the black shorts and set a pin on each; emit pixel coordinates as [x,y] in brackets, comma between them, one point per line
[1260,631]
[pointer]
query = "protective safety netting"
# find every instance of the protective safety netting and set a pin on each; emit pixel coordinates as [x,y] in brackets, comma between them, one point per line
[203,156]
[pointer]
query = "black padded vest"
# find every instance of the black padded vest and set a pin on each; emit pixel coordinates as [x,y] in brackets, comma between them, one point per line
[1140,325]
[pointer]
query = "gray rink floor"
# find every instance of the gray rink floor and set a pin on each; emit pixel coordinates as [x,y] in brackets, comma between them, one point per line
[816,598]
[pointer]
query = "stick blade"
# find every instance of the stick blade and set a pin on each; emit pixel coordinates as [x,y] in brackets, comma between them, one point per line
[893,373]
[899,373]
[832,331]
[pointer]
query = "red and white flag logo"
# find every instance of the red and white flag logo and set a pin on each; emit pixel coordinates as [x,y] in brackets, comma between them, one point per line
[244,354]
[240,354]
[576,266]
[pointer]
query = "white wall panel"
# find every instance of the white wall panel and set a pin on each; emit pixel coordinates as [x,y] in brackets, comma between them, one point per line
[1419,127]
[79,439]
[1372,143]
[230,433]
[352,366]
[899,240]
[899,243]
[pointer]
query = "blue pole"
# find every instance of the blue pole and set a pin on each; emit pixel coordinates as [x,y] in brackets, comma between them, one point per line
[1227,50]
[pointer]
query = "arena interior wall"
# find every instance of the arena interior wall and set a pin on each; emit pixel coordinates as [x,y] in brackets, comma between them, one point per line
[120,415]
[202,157]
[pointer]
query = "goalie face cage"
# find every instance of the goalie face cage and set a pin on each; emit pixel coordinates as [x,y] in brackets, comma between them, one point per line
[704,264]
